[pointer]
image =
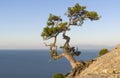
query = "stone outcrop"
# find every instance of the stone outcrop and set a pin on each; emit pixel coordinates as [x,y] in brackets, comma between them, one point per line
[105,66]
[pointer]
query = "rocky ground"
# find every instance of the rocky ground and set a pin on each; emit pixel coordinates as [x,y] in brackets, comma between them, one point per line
[105,66]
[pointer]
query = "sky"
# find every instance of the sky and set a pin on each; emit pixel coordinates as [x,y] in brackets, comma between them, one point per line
[22,21]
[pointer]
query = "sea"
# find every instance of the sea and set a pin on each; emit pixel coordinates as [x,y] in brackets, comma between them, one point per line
[36,63]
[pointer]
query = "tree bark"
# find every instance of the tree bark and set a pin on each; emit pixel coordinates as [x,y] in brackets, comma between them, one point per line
[66,49]
[70,58]
[58,56]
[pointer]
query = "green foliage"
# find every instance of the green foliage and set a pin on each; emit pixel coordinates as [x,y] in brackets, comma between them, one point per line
[103,51]
[49,32]
[53,17]
[74,52]
[58,75]
[80,13]
[92,15]
[75,9]
[56,26]
[62,26]
[77,53]
[50,23]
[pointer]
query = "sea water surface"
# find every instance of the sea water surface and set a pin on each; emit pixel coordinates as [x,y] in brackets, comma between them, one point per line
[35,63]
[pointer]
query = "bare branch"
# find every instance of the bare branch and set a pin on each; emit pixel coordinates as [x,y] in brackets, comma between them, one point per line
[46,44]
[55,57]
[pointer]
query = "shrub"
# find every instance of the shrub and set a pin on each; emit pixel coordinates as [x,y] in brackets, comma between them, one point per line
[58,75]
[103,51]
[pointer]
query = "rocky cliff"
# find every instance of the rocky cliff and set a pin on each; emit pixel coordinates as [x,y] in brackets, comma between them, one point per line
[106,66]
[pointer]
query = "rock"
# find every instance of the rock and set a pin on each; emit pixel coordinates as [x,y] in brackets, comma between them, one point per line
[76,70]
[80,67]
[106,66]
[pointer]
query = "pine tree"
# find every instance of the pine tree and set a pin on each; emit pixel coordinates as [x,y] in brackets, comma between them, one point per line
[54,26]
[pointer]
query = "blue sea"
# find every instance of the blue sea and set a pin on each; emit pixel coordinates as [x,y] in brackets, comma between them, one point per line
[35,63]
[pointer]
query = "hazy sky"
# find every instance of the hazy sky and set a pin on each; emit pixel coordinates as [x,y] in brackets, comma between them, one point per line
[22,21]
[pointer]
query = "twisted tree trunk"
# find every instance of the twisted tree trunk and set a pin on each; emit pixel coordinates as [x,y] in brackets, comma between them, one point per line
[70,58]
[66,49]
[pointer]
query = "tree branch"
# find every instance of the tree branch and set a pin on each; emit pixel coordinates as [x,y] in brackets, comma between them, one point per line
[55,57]
[53,49]
[67,38]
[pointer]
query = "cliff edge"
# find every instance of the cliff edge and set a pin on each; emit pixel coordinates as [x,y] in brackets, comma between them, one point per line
[105,66]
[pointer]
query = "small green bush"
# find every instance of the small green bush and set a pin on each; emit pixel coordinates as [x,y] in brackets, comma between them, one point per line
[103,51]
[58,75]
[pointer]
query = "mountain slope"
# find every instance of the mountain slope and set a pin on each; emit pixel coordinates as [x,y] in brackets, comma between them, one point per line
[106,66]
